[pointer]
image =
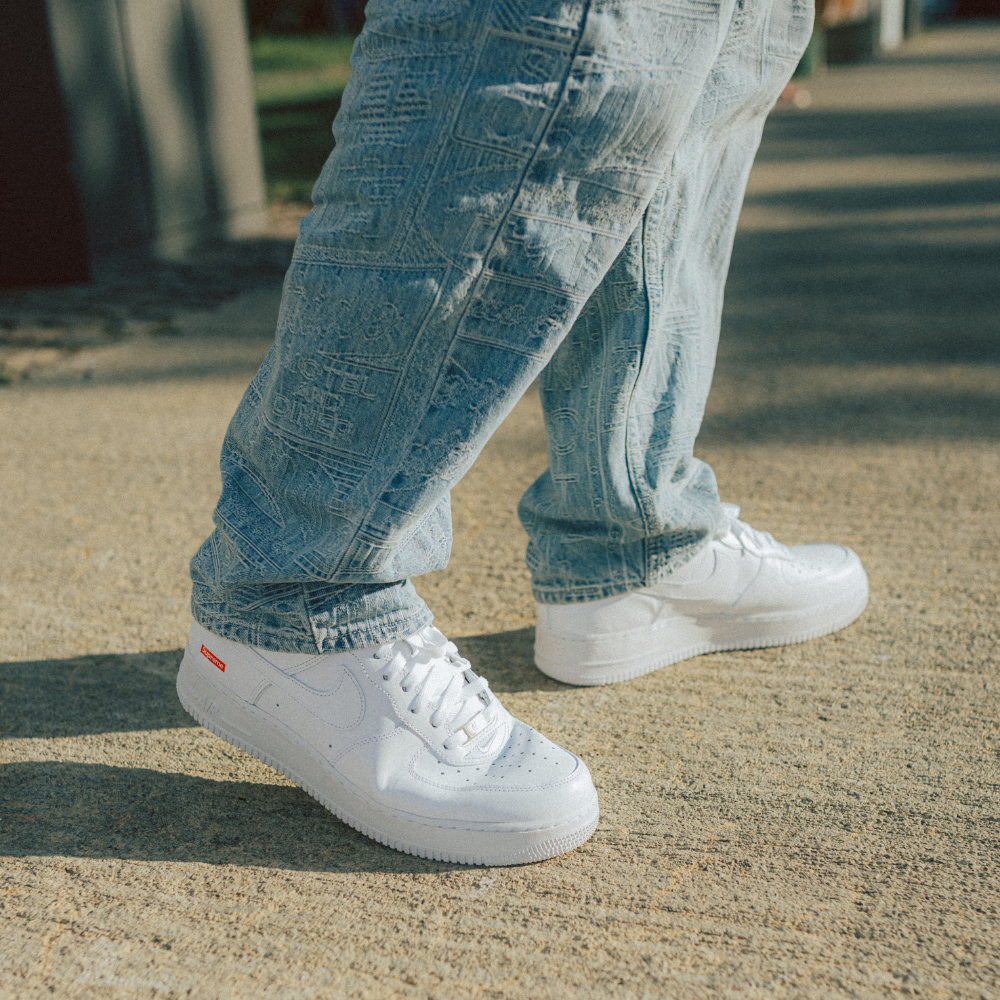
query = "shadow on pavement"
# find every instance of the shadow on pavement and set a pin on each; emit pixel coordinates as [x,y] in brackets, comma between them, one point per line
[140,814]
[110,693]
[93,810]
[865,309]
[132,692]
[871,414]
[507,661]
[828,134]
[133,287]
[928,59]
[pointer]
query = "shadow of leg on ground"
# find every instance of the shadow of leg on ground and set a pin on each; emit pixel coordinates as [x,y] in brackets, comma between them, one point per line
[139,814]
[91,694]
[507,661]
[862,307]
[95,810]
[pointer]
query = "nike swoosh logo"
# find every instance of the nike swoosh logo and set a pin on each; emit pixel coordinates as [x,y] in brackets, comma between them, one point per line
[342,706]
[730,576]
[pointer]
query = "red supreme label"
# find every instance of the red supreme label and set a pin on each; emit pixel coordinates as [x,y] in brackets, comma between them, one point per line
[212,658]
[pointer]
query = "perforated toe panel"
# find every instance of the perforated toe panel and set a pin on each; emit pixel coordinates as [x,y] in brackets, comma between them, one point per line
[527,760]
[821,557]
[531,759]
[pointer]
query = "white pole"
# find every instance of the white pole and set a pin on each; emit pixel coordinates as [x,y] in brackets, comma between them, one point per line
[891,34]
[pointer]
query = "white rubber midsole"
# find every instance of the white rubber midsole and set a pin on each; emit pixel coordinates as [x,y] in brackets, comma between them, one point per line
[460,843]
[618,656]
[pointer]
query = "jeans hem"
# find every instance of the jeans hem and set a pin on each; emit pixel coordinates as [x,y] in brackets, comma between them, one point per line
[583,594]
[313,638]
[374,632]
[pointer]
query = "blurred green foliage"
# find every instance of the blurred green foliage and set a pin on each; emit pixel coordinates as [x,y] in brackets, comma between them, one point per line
[295,143]
[299,81]
[299,53]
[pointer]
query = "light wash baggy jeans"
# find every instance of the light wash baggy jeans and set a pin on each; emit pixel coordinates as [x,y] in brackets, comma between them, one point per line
[520,189]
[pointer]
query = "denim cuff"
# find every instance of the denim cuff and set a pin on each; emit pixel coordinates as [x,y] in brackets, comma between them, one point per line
[311,617]
[647,563]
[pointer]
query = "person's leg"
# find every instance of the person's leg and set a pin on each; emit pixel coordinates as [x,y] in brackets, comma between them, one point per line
[491,162]
[624,501]
[635,562]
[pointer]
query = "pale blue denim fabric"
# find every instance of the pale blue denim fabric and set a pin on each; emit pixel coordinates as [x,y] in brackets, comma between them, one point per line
[519,189]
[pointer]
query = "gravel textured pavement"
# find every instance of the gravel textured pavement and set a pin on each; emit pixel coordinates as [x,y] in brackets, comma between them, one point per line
[814,821]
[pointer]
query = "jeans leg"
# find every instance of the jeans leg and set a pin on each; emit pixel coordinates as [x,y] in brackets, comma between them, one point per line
[624,501]
[492,160]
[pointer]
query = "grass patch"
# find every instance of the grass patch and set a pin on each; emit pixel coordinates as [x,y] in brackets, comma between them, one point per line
[295,142]
[299,80]
[293,69]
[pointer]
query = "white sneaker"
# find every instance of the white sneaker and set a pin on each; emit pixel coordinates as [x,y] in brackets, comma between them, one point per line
[743,591]
[402,742]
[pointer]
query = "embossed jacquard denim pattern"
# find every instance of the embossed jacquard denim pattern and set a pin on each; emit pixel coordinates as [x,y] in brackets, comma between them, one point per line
[519,188]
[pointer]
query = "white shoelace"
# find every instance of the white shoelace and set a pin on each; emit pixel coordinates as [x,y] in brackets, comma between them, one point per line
[759,542]
[437,675]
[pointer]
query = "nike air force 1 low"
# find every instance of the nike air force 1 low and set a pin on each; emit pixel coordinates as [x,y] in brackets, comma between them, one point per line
[743,591]
[403,742]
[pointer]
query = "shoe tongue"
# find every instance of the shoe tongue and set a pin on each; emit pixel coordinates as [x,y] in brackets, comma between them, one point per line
[731,510]
[430,638]
[730,521]
[760,542]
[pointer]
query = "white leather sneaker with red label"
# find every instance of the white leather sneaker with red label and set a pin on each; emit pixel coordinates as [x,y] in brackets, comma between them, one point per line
[403,742]
[743,591]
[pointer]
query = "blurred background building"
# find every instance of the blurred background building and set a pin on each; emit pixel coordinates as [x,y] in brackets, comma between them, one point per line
[124,125]
[153,126]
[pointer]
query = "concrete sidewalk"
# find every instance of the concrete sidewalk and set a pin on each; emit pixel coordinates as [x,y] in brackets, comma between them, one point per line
[815,821]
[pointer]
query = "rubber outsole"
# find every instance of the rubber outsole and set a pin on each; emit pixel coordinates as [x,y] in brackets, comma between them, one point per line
[361,816]
[581,671]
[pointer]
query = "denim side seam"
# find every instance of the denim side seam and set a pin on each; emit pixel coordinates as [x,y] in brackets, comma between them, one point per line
[447,358]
